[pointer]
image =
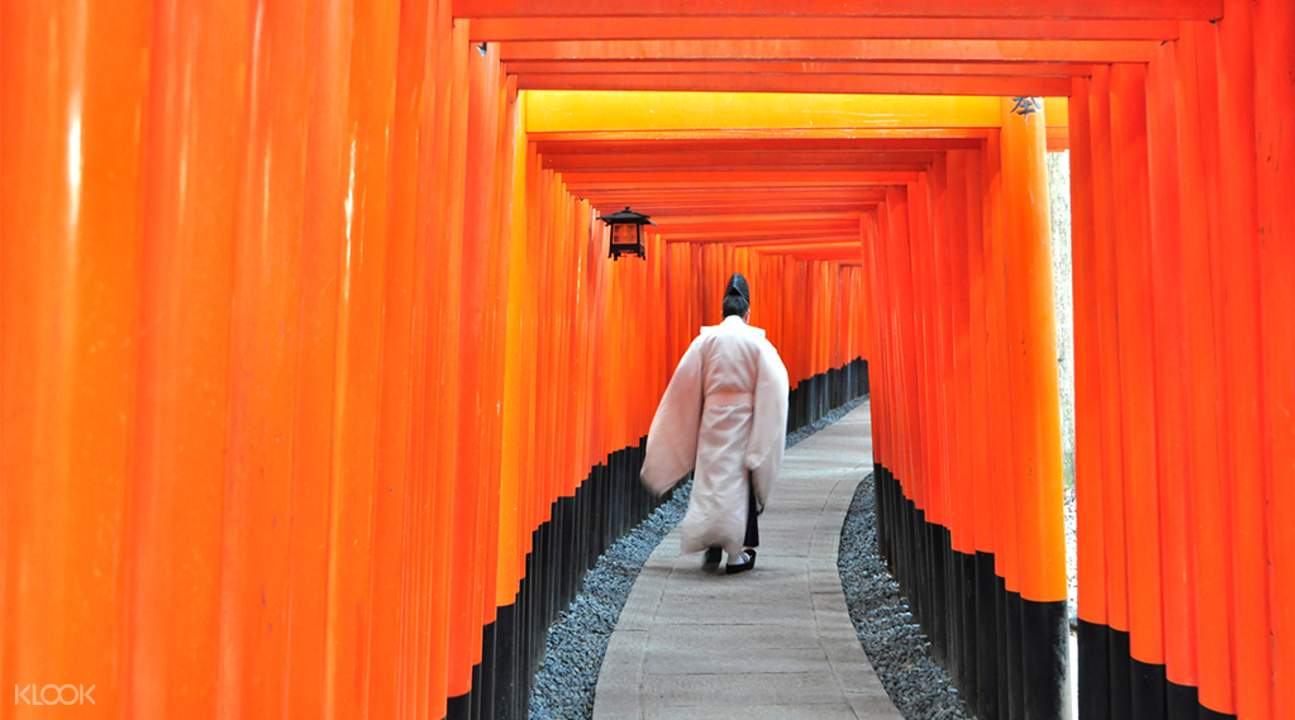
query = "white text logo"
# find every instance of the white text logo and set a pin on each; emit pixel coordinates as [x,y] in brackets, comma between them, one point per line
[53,694]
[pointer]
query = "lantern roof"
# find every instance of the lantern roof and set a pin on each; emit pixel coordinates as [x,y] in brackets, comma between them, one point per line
[627,216]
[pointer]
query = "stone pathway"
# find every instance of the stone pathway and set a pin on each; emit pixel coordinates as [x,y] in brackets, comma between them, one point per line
[773,643]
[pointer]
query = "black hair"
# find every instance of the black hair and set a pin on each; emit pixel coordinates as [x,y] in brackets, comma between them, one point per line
[737,296]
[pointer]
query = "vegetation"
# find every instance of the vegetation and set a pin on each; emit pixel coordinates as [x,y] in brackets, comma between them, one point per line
[1059,207]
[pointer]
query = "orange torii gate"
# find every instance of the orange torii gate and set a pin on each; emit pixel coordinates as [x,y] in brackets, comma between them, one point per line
[317,392]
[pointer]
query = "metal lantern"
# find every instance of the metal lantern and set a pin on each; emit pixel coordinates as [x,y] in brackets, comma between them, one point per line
[627,233]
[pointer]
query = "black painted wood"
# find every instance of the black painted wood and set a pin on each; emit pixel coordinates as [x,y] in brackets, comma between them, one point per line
[1121,698]
[1007,655]
[987,678]
[1094,671]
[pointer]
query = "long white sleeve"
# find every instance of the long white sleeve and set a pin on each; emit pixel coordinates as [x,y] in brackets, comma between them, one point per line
[672,439]
[769,423]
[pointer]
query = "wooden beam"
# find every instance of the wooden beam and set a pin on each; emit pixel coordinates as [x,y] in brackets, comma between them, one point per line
[697,194]
[740,141]
[738,207]
[794,67]
[755,239]
[801,27]
[759,232]
[786,117]
[845,84]
[747,201]
[1084,51]
[733,185]
[952,9]
[844,250]
[727,159]
[762,218]
[713,205]
[807,138]
[771,165]
[725,177]
[659,211]
[703,195]
[768,115]
[707,194]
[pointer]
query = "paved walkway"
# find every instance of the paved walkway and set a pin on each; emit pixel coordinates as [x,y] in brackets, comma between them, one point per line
[773,643]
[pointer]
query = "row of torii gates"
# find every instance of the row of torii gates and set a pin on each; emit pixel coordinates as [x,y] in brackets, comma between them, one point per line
[318,393]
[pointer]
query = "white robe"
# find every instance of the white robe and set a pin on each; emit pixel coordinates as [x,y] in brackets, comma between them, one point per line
[724,415]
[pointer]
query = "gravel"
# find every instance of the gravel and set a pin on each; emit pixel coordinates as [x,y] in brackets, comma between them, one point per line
[892,639]
[568,676]
[565,683]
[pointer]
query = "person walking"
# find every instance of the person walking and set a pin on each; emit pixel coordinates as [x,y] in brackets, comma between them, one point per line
[724,417]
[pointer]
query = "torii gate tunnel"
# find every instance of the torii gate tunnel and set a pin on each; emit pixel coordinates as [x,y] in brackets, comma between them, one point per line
[318,394]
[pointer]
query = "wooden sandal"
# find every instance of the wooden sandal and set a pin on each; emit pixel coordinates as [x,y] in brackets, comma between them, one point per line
[749,554]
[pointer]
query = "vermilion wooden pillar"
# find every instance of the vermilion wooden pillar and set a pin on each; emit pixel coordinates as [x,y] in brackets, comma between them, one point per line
[1196,105]
[1175,500]
[984,417]
[1236,298]
[1037,480]
[387,674]
[357,382]
[264,379]
[1136,328]
[177,422]
[442,331]
[1274,52]
[70,275]
[1005,392]
[1115,700]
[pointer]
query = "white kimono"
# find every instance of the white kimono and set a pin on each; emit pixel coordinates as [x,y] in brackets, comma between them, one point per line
[723,414]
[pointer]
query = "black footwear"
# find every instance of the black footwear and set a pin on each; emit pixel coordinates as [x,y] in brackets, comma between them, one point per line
[748,565]
[712,558]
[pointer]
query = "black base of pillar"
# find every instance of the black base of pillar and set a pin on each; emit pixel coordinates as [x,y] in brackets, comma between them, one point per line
[1007,655]
[968,679]
[1046,625]
[1121,699]
[1094,671]
[1147,689]
[1112,684]
[1181,701]
[988,679]
[459,707]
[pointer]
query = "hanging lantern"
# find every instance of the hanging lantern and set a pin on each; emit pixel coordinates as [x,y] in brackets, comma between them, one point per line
[627,233]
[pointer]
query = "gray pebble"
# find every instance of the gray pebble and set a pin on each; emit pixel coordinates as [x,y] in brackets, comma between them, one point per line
[565,683]
[897,647]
